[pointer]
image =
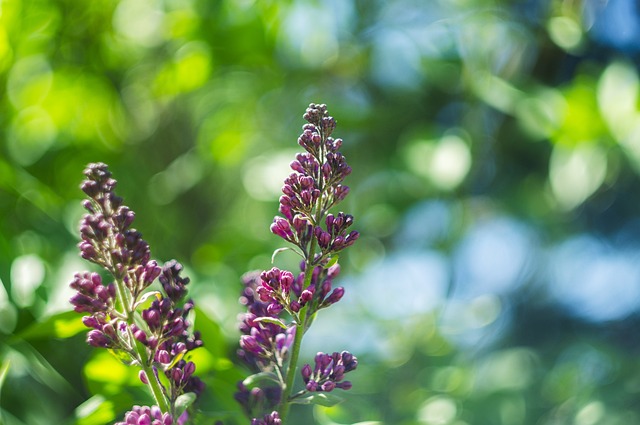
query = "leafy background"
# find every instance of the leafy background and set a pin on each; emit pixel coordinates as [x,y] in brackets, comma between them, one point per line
[495,148]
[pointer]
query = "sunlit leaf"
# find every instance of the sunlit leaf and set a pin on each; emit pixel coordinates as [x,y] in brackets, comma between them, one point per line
[183,402]
[95,411]
[252,380]
[3,372]
[211,334]
[272,320]
[62,325]
[144,298]
[322,399]
[283,249]
[332,261]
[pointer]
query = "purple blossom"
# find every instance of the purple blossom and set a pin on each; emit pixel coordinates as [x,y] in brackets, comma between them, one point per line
[173,284]
[270,419]
[281,305]
[329,371]
[144,415]
[261,342]
[157,338]
[92,295]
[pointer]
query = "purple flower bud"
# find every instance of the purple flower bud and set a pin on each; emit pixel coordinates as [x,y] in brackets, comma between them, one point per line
[96,338]
[295,306]
[335,296]
[274,309]
[307,295]
[286,280]
[189,369]
[286,211]
[141,336]
[326,171]
[91,188]
[311,385]
[91,322]
[345,385]
[340,192]
[163,357]
[300,224]
[324,238]
[179,348]
[325,288]
[152,317]
[282,228]
[306,373]
[338,372]
[249,343]
[143,377]
[176,375]
[144,419]
[270,419]
[296,166]
[88,205]
[328,386]
[333,271]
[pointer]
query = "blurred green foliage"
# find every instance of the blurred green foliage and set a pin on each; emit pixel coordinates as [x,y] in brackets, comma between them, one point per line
[495,148]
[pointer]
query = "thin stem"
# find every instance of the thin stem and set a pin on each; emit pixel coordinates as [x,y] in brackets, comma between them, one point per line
[156,389]
[297,343]
[291,373]
[122,297]
[154,384]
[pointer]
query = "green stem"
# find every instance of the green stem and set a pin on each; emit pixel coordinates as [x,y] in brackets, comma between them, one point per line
[125,301]
[120,295]
[154,385]
[156,389]
[283,409]
[303,319]
[291,373]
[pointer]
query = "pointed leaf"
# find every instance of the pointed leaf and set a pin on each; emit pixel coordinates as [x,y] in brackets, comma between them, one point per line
[3,372]
[148,295]
[175,360]
[322,399]
[61,325]
[183,402]
[272,320]
[278,251]
[332,261]
[251,380]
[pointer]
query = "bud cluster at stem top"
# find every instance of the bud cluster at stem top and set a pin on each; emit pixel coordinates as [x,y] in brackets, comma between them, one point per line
[313,188]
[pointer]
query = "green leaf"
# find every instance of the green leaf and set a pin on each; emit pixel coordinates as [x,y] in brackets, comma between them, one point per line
[143,299]
[3,372]
[279,250]
[183,402]
[175,360]
[211,334]
[332,261]
[95,411]
[272,320]
[62,325]
[322,399]
[251,380]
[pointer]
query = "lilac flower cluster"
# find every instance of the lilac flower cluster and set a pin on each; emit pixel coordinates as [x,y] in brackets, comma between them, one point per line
[329,371]
[157,338]
[144,415]
[269,419]
[281,304]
